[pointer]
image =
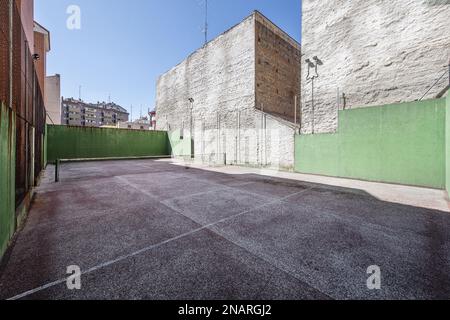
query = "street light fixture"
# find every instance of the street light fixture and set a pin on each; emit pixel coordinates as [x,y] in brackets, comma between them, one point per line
[318,61]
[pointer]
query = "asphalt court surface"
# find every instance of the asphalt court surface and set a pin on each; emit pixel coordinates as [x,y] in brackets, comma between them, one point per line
[150,229]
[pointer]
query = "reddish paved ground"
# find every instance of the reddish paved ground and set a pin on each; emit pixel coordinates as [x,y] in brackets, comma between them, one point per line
[153,230]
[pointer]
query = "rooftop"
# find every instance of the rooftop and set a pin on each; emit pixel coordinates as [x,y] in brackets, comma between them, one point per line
[40,29]
[98,105]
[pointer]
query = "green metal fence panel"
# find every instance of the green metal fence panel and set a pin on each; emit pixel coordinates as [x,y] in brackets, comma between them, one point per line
[447,142]
[401,143]
[7,176]
[64,142]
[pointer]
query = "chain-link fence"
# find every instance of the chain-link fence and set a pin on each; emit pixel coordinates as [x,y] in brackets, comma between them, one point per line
[21,92]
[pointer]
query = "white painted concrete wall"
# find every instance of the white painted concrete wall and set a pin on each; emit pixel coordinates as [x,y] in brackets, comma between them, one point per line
[52,99]
[221,79]
[375,51]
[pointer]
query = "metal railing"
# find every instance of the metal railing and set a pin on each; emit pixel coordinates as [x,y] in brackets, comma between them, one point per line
[441,93]
[204,159]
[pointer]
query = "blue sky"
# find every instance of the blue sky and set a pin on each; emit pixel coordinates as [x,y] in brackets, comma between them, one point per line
[123,46]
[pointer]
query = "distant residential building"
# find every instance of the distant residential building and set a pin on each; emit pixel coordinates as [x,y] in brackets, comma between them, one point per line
[152,116]
[142,123]
[79,113]
[52,99]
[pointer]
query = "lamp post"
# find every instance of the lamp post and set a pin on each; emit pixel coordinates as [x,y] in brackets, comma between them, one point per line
[313,65]
[191,100]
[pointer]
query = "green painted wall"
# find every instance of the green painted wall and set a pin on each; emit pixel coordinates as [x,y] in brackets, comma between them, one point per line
[7,176]
[447,142]
[401,143]
[79,142]
[178,146]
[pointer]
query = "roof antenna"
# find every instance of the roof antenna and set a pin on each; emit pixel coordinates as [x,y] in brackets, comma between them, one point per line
[206,22]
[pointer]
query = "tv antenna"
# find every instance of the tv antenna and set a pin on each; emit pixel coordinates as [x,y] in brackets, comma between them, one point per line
[206,22]
[205,29]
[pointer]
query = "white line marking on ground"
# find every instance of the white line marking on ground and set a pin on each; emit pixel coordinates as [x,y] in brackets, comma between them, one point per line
[137,187]
[146,249]
[235,188]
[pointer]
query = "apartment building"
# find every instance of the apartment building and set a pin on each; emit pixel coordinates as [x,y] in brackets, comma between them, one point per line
[79,113]
[143,123]
[152,115]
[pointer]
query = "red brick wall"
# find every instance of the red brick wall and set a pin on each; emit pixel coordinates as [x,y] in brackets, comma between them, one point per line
[39,48]
[278,71]
[26,10]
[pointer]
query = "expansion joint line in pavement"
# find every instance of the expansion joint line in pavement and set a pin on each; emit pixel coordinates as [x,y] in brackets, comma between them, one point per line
[243,247]
[274,200]
[149,248]
[231,188]
[150,195]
